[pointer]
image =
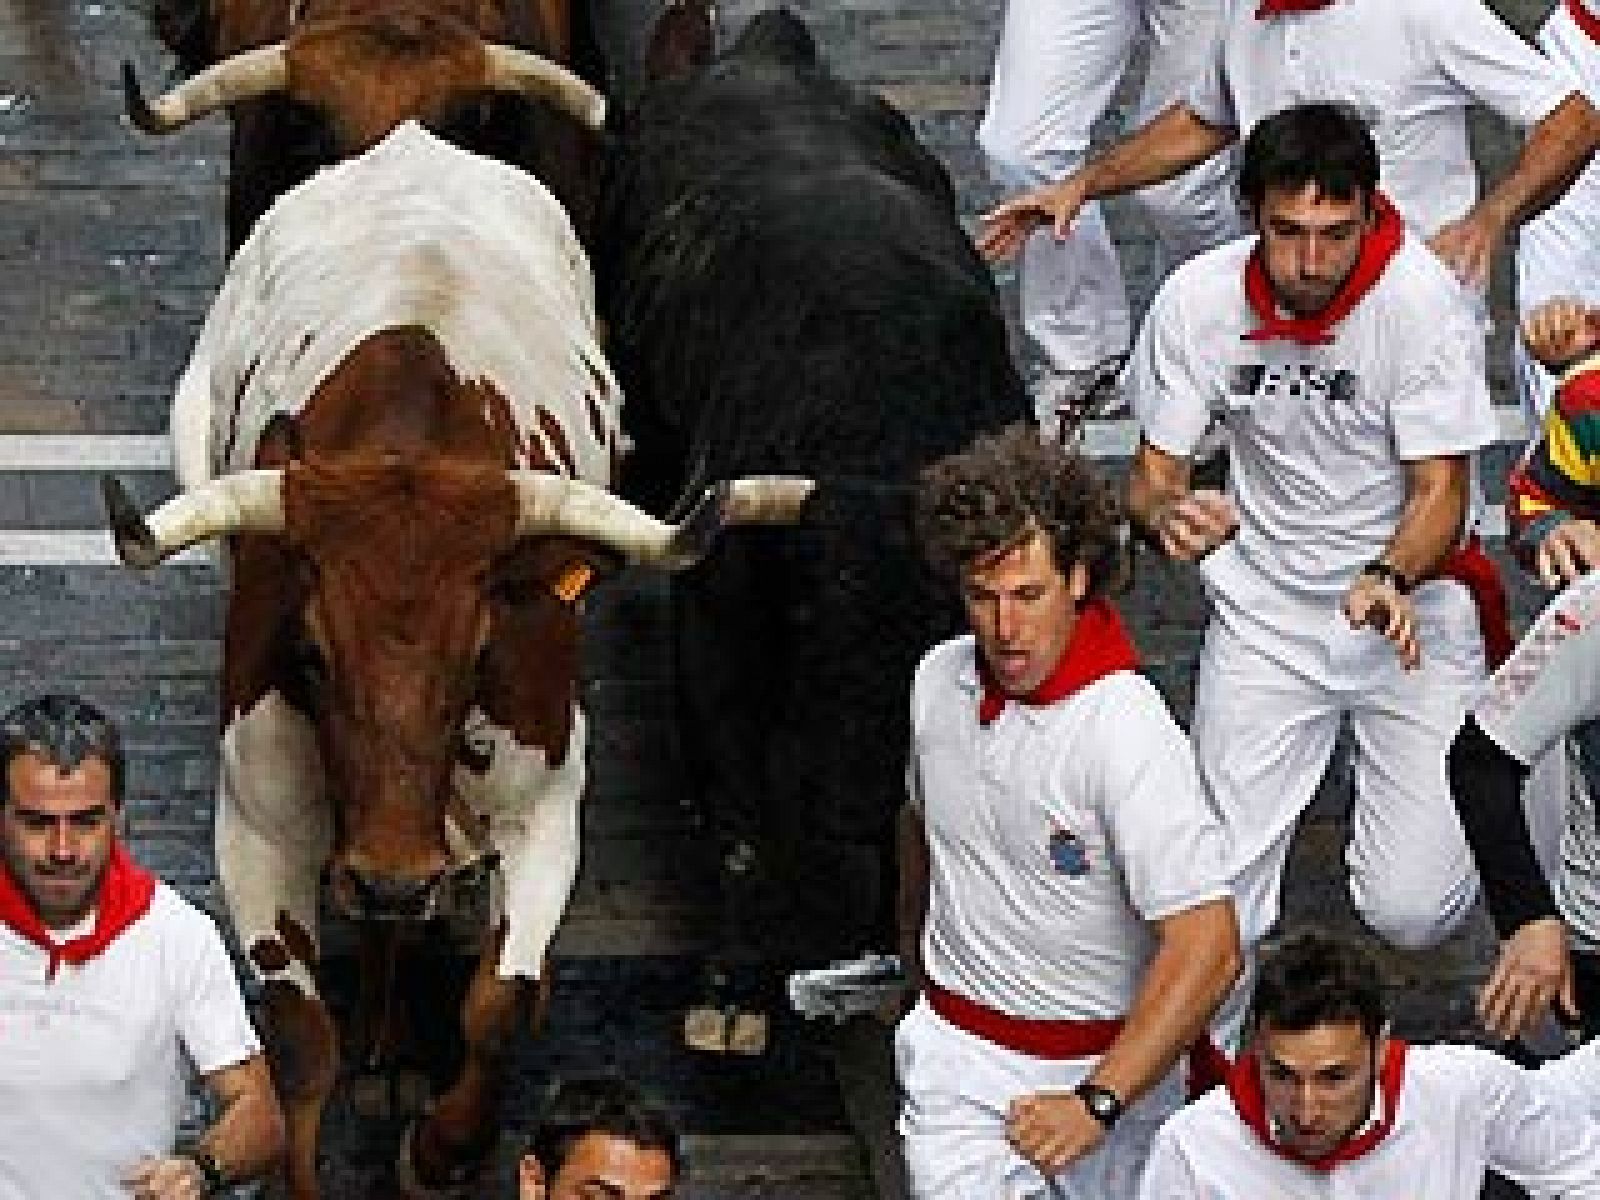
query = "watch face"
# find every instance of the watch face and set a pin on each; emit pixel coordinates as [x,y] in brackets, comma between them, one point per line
[1102,1103]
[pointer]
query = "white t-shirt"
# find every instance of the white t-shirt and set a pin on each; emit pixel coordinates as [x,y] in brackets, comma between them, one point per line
[1411,68]
[1462,1110]
[95,1064]
[1572,1082]
[1317,435]
[1056,834]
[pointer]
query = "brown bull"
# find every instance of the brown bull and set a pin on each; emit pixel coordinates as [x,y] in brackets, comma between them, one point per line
[398,411]
[280,138]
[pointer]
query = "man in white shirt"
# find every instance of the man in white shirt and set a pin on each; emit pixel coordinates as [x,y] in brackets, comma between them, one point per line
[1068,953]
[1055,70]
[1558,252]
[1409,69]
[1328,1106]
[1340,362]
[112,990]
[600,1139]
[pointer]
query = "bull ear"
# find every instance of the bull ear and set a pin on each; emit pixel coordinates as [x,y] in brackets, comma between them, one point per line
[682,42]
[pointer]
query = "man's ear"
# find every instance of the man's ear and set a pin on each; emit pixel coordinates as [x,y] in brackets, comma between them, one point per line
[1078,583]
[530,1179]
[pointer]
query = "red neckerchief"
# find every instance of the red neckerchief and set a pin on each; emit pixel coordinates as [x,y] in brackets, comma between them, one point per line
[1244,1085]
[125,895]
[1277,8]
[1378,247]
[1099,646]
[1584,19]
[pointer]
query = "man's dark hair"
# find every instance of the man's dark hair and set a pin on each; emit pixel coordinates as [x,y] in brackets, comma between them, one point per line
[601,1104]
[985,500]
[1326,145]
[63,730]
[1315,978]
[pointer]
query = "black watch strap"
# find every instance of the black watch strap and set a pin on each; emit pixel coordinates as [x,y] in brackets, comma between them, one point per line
[1389,573]
[215,1181]
[1103,1104]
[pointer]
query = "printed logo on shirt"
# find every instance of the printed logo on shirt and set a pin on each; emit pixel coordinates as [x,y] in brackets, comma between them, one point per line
[1068,854]
[1252,381]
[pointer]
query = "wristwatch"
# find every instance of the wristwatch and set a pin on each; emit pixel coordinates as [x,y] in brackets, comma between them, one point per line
[1103,1104]
[1389,573]
[215,1182]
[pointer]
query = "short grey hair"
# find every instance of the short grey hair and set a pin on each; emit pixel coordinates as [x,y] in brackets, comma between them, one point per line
[64,730]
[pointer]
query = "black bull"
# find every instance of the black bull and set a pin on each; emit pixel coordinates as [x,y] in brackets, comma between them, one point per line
[788,291]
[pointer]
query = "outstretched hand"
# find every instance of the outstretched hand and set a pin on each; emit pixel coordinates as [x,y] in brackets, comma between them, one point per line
[1533,972]
[1008,225]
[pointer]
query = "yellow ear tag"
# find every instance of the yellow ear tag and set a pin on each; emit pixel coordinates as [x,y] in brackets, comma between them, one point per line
[573,582]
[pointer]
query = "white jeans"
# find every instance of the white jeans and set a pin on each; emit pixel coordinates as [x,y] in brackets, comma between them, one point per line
[955,1091]
[1057,66]
[1268,706]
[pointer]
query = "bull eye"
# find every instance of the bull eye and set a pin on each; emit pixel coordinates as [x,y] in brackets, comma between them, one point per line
[311,667]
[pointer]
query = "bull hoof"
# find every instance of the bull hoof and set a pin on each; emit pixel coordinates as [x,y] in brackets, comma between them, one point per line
[412,1186]
[725,1031]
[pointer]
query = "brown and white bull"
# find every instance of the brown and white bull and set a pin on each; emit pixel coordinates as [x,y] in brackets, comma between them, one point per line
[399,413]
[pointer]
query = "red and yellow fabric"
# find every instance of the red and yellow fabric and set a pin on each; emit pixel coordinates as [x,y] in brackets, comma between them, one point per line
[1559,478]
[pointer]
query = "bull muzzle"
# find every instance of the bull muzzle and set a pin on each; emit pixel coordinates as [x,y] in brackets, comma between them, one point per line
[364,895]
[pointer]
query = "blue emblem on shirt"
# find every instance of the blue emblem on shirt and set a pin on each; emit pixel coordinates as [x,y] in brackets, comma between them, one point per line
[1068,854]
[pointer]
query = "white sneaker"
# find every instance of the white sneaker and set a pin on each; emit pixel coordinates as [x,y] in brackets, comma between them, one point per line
[850,988]
[1064,400]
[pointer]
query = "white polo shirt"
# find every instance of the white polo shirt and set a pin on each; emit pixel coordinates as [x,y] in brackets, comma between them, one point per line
[1461,1111]
[1318,436]
[1056,834]
[95,1064]
[1411,68]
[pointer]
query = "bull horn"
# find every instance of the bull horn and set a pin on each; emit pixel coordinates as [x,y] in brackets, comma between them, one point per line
[508,69]
[245,502]
[242,77]
[549,504]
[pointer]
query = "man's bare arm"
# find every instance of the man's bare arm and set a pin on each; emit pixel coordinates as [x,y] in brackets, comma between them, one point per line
[1169,145]
[244,1143]
[1429,528]
[911,900]
[1197,960]
[1556,151]
[1435,513]
[1187,525]
[247,1137]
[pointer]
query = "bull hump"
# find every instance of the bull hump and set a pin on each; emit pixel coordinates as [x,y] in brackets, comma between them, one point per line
[482,256]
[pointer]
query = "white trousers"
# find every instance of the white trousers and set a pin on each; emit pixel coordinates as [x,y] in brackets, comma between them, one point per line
[955,1091]
[1057,66]
[1558,252]
[1268,707]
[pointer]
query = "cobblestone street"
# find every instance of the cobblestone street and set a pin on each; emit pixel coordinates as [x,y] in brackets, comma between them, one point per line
[110,250]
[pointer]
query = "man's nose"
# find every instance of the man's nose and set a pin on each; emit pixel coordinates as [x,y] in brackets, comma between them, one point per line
[1307,1108]
[1005,619]
[1314,258]
[62,845]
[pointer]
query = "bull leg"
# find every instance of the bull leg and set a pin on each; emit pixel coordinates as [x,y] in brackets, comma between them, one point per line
[272,836]
[451,1145]
[303,1047]
[731,660]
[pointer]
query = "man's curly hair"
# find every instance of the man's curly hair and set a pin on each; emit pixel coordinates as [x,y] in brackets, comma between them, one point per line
[984,500]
